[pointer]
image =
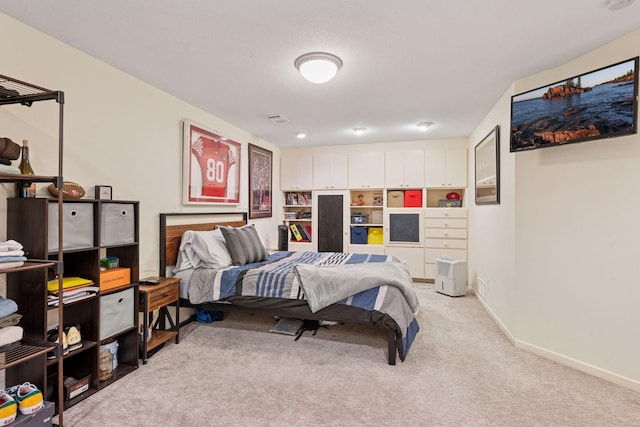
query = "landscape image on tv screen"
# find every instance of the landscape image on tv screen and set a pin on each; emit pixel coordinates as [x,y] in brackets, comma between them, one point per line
[599,104]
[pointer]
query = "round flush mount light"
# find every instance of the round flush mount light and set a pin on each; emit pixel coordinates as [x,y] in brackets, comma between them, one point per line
[424,126]
[318,67]
[359,131]
[619,4]
[301,135]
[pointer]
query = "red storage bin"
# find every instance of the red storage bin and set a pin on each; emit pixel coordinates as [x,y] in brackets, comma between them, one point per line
[413,198]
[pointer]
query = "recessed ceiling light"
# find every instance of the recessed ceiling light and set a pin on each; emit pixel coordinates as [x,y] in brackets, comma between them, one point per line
[301,135]
[423,126]
[619,4]
[318,67]
[359,131]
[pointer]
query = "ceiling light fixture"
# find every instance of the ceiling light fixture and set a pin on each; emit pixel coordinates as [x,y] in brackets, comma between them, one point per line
[424,126]
[318,67]
[301,135]
[359,131]
[619,4]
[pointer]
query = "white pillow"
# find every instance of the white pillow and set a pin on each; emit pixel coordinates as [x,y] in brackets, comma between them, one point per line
[202,249]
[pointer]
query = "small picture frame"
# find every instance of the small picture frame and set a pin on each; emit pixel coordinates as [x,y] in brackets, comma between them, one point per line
[103,192]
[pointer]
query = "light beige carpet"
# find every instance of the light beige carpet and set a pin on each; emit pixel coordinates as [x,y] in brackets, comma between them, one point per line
[461,371]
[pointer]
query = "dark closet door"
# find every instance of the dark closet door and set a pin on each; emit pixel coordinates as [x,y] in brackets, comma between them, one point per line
[330,224]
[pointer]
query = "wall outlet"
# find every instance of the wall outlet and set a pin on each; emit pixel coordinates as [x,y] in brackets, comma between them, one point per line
[482,288]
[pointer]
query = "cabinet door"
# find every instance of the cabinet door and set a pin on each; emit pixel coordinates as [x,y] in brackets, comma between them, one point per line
[366,170]
[330,221]
[394,169]
[456,167]
[414,169]
[295,172]
[404,169]
[413,257]
[434,168]
[446,167]
[330,171]
[375,168]
[357,170]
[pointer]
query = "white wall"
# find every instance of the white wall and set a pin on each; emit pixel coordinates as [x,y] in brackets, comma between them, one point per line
[118,131]
[573,213]
[492,227]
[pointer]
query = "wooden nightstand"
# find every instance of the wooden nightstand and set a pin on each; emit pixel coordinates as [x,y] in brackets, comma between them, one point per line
[158,297]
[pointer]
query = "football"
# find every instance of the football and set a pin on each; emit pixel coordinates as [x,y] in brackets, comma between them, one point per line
[70,190]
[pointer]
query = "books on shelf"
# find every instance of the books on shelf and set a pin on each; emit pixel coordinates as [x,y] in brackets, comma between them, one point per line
[295,232]
[298,199]
[300,232]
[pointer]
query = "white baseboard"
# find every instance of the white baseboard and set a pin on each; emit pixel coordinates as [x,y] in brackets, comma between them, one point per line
[567,361]
[496,319]
[580,366]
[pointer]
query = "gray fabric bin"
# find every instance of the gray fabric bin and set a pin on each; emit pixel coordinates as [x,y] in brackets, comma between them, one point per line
[116,312]
[77,226]
[117,224]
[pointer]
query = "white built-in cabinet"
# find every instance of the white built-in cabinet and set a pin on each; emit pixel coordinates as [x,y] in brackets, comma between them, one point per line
[445,168]
[330,171]
[404,169]
[365,179]
[365,170]
[413,257]
[296,172]
[445,236]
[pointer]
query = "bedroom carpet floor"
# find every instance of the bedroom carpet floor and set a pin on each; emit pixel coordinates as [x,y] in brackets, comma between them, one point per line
[460,371]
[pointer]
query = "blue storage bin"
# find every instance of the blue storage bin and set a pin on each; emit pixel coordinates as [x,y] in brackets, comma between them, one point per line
[358,236]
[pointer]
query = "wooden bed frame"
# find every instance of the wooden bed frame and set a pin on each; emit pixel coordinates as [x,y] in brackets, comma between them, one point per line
[172,227]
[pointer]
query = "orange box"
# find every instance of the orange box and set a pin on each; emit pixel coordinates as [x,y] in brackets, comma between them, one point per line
[114,278]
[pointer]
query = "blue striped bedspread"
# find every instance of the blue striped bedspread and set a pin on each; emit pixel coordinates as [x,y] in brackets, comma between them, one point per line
[275,278]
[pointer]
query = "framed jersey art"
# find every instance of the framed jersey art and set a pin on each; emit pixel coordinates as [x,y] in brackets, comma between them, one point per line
[211,167]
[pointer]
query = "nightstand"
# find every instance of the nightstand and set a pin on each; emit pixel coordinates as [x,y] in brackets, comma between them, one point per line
[158,297]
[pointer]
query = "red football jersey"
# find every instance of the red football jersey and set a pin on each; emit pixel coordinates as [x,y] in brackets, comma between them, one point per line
[215,158]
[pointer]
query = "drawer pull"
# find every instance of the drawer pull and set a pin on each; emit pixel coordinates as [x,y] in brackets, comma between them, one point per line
[166,294]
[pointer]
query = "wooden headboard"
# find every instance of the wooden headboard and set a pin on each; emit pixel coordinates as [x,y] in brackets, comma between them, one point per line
[173,226]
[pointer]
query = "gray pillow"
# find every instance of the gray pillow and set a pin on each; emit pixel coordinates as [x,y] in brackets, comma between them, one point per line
[244,245]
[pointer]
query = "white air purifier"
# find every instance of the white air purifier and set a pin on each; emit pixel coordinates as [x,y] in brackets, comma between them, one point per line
[451,277]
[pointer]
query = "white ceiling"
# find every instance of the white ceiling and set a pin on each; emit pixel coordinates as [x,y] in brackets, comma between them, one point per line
[405,61]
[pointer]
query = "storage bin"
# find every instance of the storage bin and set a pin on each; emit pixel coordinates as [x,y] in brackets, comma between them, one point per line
[116,312]
[413,198]
[374,237]
[114,278]
[376,216]
[77,226]
[358,218]
[395,199]
[358,236]
[117,224]
[445,203]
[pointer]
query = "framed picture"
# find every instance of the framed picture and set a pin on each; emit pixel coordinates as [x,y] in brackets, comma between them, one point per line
[487,165]
[260,177]
[210,167]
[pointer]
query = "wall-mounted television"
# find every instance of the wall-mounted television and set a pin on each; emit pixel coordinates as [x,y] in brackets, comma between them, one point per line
[599,104]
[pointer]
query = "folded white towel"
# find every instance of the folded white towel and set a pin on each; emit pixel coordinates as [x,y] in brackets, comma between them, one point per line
[8,265]
[10,334]
[10,245]
[12,253]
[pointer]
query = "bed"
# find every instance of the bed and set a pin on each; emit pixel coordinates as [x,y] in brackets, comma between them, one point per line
[327,286]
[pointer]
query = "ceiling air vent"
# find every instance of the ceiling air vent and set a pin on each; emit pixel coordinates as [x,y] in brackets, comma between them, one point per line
[277,118]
